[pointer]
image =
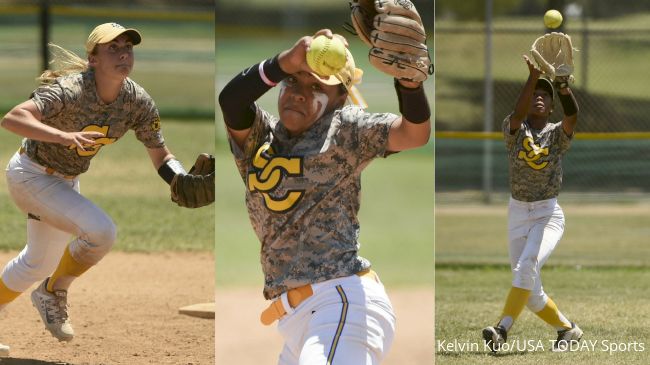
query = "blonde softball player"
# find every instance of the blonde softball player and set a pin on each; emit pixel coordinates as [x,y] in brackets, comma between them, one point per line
[302,174]
[535,220]
[73,114]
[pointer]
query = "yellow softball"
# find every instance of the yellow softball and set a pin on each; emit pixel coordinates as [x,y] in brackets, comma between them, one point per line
[326,56]
[552,19]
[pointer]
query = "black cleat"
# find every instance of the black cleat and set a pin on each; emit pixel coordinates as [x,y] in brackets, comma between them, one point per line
[494,337]
[567,337]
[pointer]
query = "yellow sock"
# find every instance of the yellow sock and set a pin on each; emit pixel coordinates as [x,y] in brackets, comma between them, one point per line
[7,295]
[515,303]
[551,315]
[68,266]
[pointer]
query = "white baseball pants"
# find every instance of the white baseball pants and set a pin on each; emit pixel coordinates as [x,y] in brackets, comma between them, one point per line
[347,321]
[534,229]
[63,215]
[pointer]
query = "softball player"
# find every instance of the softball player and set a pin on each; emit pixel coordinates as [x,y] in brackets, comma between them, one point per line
[302,174]
[67,120]
[535,220]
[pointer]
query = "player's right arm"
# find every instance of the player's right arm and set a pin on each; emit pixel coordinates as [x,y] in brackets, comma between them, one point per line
[525,97]
[25,120]
[238,97]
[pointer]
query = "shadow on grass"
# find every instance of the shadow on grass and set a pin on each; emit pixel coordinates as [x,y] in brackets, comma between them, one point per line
[16,361]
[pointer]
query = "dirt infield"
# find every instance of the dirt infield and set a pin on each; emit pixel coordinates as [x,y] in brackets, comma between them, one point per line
[242,340]
[124,311]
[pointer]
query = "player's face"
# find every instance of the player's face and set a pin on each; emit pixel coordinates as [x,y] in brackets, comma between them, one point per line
[542,104]
[113,59]
[303,100]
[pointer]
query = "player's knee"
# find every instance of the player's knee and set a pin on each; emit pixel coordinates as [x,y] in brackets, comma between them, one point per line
[95,243]
[104,235]
[525,273]
[536,302]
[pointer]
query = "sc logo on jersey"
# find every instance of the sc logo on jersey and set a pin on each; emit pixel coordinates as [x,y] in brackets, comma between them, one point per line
[268,175]
[90,150]
[532,154]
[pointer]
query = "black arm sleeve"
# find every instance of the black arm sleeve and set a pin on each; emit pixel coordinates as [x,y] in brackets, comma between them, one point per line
[238,97]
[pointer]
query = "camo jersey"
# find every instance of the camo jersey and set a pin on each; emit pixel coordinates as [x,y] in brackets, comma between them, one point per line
[535,160]
[303,193]
[71,104]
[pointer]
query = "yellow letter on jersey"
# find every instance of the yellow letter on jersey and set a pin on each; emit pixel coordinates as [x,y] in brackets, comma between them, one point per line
[269,175]
[92,149]
[534,154]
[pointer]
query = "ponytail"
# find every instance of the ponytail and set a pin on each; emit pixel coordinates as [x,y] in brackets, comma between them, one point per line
[63,63]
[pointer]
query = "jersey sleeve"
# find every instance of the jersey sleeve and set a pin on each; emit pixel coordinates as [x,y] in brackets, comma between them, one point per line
[147,122]
[510,138]
[369,131]
[259,129]
[49,99]
[564,141]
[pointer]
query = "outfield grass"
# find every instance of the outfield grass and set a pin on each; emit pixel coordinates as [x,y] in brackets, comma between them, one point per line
[597,275]
[595,235]
[609,305]
[123,182]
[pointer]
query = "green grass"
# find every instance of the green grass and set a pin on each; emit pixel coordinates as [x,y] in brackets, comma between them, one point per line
[597,275]
[597,235]
[609,305]
[123,182]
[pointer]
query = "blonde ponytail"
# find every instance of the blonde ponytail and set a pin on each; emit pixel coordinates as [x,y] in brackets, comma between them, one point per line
[63,63]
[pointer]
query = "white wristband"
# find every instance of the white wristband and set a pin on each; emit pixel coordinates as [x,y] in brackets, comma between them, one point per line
[263,75]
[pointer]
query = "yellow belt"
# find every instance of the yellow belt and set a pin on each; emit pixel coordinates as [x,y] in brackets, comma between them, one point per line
[298,295]
[48,170]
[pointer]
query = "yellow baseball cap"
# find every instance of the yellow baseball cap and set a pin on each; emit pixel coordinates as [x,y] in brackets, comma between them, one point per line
[106,32]
[349,76]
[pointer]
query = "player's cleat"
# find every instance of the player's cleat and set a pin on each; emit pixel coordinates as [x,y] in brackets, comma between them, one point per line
[566,337]
[494,337]
[53,308]
[4,350]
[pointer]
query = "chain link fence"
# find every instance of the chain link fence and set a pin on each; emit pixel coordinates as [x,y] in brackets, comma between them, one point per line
[612,88]
[174,63]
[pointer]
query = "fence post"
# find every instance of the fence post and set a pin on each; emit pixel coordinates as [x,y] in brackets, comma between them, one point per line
[45,33]
[489,106]
[584,52]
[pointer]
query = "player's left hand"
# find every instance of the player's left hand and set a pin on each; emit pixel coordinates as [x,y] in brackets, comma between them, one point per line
[553,53]
[196,188]
[396,35]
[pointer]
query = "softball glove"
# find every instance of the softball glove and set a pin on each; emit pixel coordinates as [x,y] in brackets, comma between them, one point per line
[196,188]
[394,31]
[553,53]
